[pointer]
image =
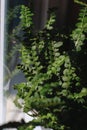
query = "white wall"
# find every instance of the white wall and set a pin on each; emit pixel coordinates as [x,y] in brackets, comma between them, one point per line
[2,10]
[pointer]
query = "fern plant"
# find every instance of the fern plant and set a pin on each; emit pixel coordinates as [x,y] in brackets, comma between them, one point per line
[55,90]
[78,34]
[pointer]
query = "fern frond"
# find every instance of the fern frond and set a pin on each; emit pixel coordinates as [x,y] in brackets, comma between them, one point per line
[78,35]
[80,2]
[26,16]
[50,22]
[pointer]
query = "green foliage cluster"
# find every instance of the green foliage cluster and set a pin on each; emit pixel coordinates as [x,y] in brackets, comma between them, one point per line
[78,34]
[26,16]
[55,90]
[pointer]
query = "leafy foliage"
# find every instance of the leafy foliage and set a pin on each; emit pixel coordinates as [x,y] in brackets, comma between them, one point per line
[78,34]
[25,16]
[55,90]
[81,2]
